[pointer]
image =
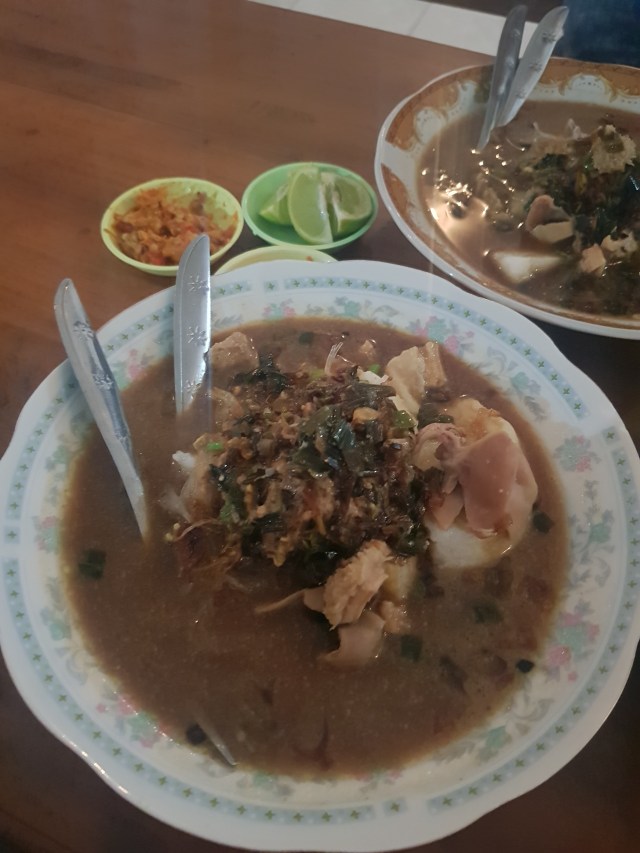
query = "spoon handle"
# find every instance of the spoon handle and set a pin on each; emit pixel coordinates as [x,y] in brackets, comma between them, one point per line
[191,321]
[503,70]
[100,390]
[533,62]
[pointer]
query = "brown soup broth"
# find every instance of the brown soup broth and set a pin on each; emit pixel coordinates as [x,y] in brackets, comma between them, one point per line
[450,162]
[182,654]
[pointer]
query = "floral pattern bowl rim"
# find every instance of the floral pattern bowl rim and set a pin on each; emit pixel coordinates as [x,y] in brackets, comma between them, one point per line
[561,704]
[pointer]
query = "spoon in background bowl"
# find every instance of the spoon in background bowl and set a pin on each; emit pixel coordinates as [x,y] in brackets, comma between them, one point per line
[512,82]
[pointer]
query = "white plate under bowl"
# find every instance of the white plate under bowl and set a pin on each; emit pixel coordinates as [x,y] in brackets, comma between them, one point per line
[410,128]
[583,667]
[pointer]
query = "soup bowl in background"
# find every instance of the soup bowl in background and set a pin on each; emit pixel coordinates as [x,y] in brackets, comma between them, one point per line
[582,667]
[414,124]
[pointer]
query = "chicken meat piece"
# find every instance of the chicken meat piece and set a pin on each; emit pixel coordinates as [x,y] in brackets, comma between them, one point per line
[359,642]
[612,151]
[543,211]
[488,509]
[414,372]
[619,248]
[592,260]
[355,582]
[235,354]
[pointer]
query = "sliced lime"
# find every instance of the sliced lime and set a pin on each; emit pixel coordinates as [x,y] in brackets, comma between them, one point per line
[276,209]
[349,202]
[308,207]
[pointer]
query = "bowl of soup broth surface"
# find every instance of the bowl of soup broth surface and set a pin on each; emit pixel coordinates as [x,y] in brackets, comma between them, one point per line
[546,218]
[320,593]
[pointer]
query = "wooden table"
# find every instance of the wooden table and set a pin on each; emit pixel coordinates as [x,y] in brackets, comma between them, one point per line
[97,97]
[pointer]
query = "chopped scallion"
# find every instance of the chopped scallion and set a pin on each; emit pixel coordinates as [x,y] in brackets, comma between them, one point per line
[542,522]
[486,613]
[91,565]
[403,420]
[411,647]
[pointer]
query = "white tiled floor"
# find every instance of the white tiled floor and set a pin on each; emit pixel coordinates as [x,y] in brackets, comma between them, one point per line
[429,21]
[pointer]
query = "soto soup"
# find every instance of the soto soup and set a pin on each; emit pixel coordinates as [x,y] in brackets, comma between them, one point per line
[356,549]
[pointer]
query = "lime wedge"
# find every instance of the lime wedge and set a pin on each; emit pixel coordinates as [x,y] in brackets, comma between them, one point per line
[350,204]
[276,209]
[308,207]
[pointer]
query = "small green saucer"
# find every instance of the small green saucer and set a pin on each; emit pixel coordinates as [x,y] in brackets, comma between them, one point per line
[264,186]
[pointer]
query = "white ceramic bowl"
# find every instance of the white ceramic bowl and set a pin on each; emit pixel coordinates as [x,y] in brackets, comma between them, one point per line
[410,128]
[584,664]
[274,253]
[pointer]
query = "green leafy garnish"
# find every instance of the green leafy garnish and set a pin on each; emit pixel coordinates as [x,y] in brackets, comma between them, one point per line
[214,446]
[487,613]
[92,563]
[429,413]
[225,480]
[542,522]
[411,541]
[266,373]
[402,420]
[411,647]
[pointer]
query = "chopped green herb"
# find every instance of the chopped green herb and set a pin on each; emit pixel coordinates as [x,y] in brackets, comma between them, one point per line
[486,613]
[375,368]
[91,565]
[306,338]
[429,413]
[228,514]
[411,647]
[307,456]
[316,373]
[542,522]
[195,734]
[224,478]
[453,674]
[525,665]
[266,373]
[214,446]
[411,541]
[403,420]
[358,394]
[271,522]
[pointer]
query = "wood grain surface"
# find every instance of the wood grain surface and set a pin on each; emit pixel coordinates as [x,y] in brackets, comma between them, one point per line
[99,96]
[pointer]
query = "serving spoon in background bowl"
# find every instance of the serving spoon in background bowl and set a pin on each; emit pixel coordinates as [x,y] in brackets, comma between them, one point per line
[513,81]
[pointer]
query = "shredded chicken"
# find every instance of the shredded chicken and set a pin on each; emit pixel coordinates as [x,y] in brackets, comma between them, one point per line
[359,642]
[353,584]
[322,480]
[414,372]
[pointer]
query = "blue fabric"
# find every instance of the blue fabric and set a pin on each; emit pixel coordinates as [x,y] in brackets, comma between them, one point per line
[602,31]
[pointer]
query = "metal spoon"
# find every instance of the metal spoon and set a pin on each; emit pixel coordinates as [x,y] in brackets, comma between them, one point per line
[533,62]
[503,70]
[101,392]
[512,81]
[191,321]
